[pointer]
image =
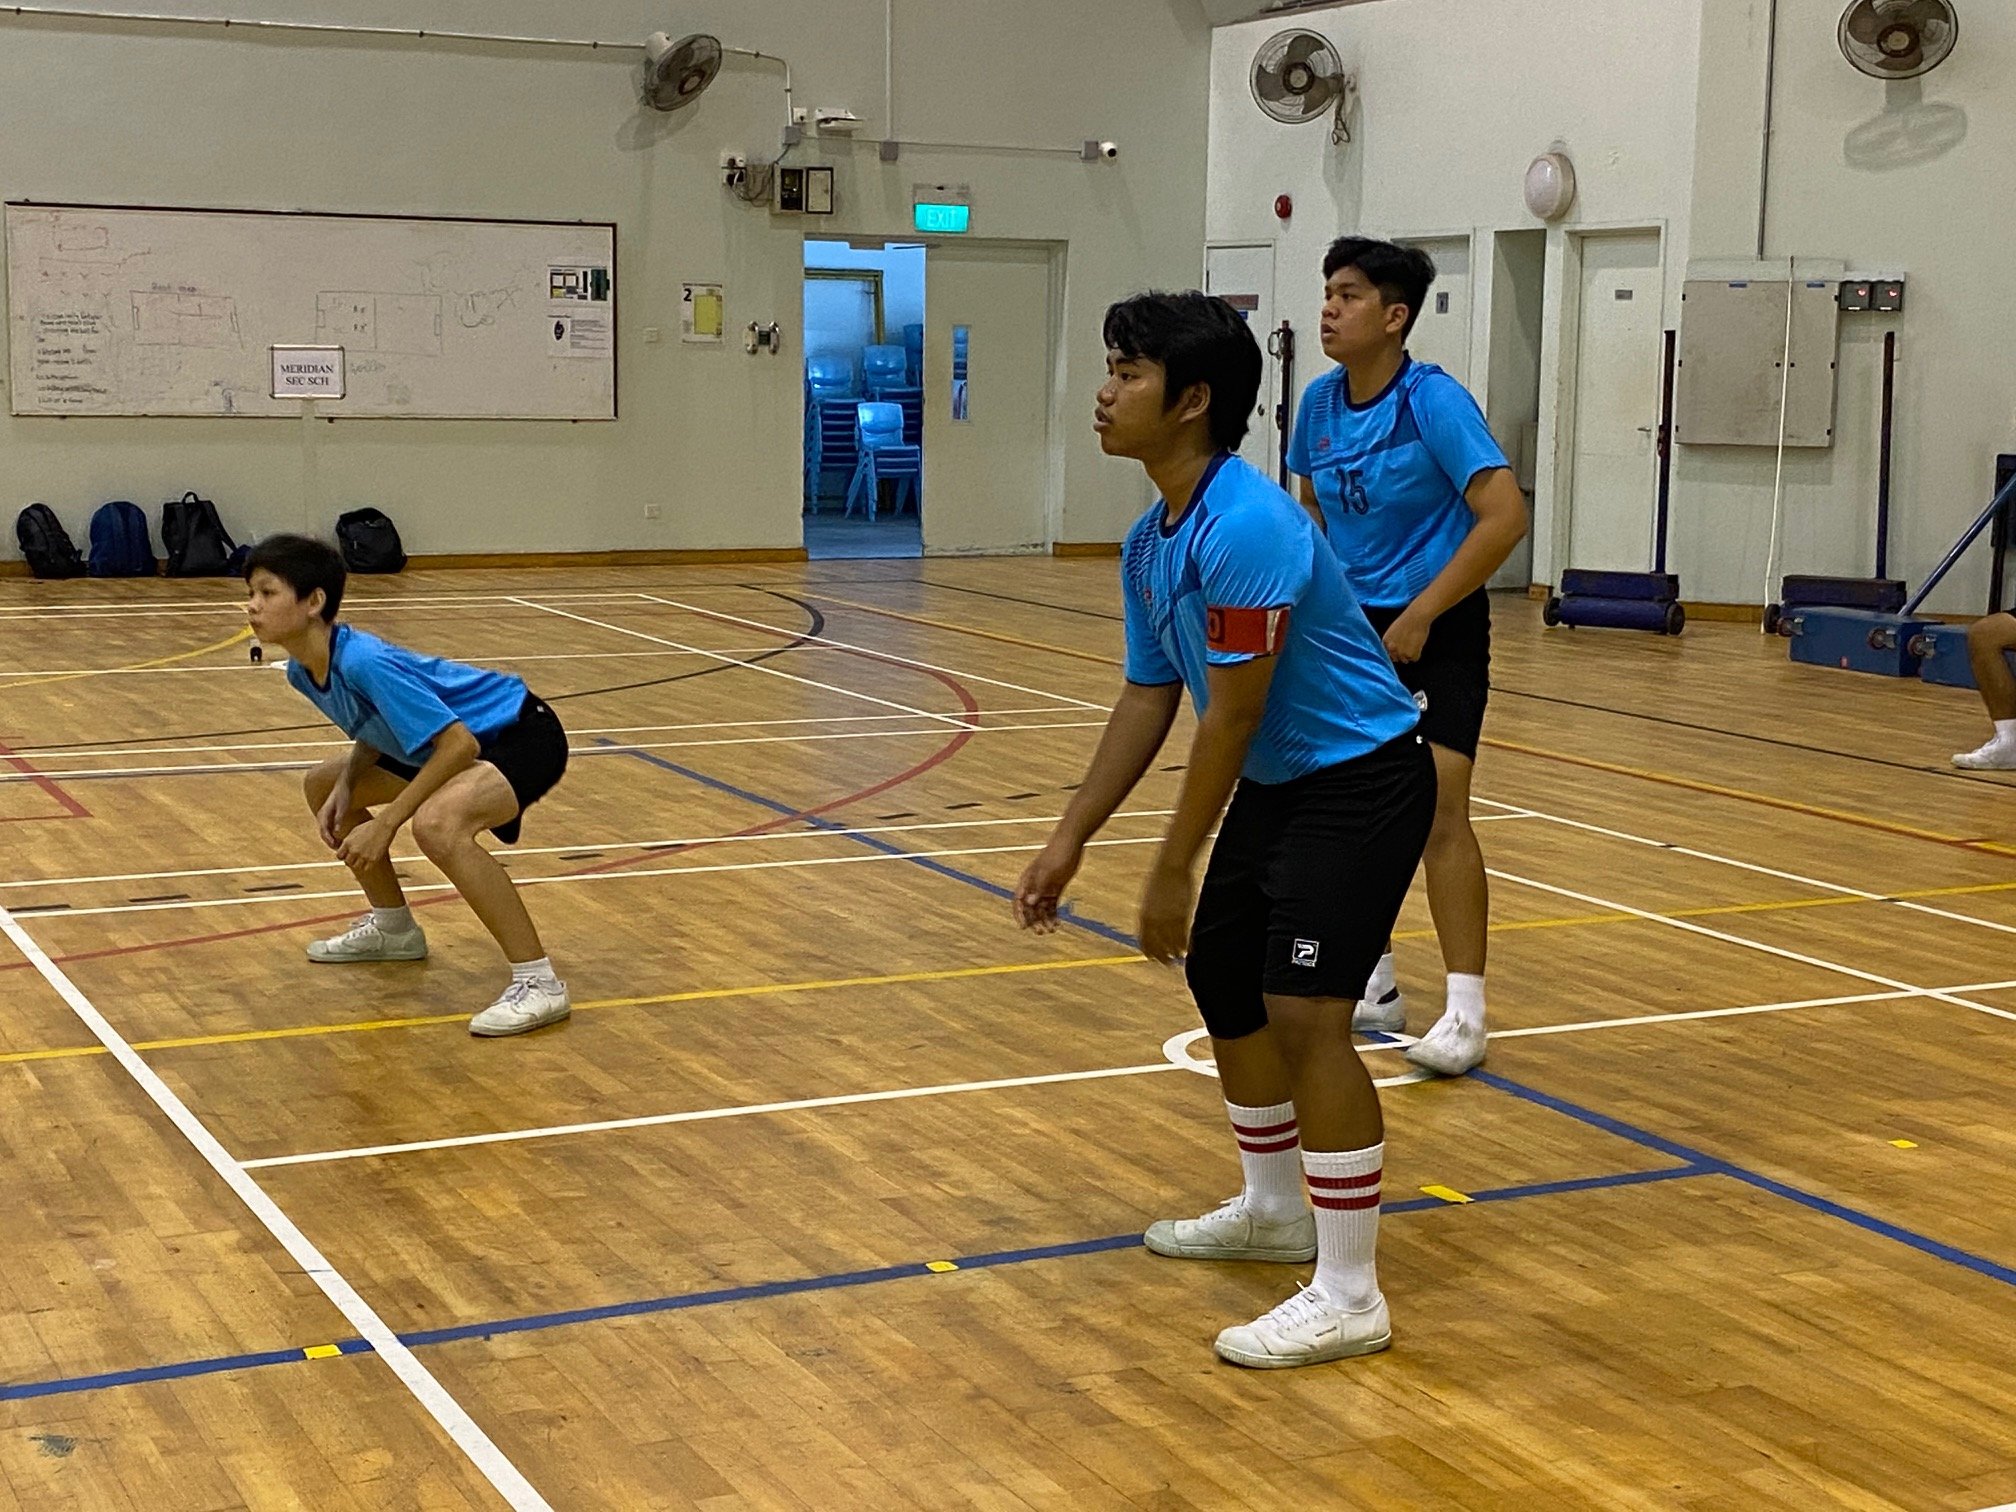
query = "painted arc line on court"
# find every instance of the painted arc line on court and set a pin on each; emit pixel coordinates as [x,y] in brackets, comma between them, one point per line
[254,768]
[1902,900]
[462,1429]
[810,682]
[893,657]
[1757,945]
[765,1290]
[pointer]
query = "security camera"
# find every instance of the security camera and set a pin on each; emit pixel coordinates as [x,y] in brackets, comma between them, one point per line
[1094,151]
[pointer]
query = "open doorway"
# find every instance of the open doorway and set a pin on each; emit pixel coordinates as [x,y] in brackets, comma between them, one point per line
[864,400]
[1512,390]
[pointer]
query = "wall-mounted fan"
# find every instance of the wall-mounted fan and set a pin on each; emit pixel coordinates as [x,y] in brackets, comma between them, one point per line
[1298,77]
[676,73]
[1898,39]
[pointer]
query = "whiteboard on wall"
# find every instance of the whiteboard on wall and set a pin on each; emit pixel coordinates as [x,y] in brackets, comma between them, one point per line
[120,311]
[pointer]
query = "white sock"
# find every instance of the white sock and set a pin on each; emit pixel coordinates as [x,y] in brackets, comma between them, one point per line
[540,971]
[393,920]
[2005,732]
[1270,1150]
[1344,1186]
[1466,998]
[1382,979]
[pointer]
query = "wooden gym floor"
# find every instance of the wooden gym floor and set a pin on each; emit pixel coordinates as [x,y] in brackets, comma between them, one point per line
[829,1195]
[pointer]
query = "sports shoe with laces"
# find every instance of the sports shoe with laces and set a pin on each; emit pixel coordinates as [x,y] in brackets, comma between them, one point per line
[1451,1048]
[1307,1329]
[1230,1232]
[525,1005]
[365,941]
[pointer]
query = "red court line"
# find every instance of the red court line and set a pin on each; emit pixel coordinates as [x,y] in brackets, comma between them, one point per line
[72,809]
[944,753]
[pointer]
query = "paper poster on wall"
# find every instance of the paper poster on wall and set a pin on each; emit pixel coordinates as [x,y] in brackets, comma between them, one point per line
[589,285]
[702,314]
[580,333]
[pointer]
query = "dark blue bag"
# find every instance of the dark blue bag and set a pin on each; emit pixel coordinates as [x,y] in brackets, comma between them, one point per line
[120,544]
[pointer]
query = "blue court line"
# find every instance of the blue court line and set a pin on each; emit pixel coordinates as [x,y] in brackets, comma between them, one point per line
[873,842]
[1924,1244]
[1869,1222]
[722,1296]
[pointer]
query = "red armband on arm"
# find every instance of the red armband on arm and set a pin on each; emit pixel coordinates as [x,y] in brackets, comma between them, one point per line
[1254,632]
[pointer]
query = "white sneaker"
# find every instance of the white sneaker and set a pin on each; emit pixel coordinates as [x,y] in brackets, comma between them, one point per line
[1452,1047]
[1386,1015]
[365,941]
[1229,1232]
[524,1006]
[1307,1329]
[1998,755]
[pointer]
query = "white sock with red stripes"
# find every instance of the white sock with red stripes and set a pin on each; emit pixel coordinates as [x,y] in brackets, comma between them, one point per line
[1270,1151]
[1344,1188]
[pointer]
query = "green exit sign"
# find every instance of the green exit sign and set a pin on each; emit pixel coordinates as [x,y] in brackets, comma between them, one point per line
[941,219]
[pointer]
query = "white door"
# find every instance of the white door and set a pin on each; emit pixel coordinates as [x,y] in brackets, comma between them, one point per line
[1441,334]
[1244,277]
[1612,486]
[987,433]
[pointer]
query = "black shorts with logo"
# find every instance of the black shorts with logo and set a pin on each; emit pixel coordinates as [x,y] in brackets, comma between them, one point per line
[1452,679]
[531,752]
[1305,882]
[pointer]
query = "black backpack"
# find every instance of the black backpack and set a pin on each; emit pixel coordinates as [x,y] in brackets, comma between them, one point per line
[46,544]
[120,545]
[198,544]
[369,541]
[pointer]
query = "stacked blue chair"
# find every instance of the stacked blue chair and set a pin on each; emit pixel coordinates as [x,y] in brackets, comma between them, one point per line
[883,367]
[883,457]
[830,397]
[913,355]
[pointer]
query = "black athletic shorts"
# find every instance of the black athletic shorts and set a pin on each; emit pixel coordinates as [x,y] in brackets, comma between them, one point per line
[1452,680]
[1305,882]
[531,752]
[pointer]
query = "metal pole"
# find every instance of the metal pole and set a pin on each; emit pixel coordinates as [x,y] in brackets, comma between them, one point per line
[1883,462]
[2002,501]
[78,14]
[1284,407]
[1665,452]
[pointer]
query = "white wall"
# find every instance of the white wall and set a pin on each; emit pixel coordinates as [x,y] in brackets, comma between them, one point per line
[1456,98]
[134,113]
[1835,192]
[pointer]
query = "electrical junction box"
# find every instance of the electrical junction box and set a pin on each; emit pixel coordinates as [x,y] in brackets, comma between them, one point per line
[804,191]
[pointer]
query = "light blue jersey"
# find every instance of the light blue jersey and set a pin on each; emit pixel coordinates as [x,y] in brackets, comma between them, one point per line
[1243,573]
[1391,476]
[398,701]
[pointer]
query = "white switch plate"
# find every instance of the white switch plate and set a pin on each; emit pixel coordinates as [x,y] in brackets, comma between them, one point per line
[652,511]
[650,335]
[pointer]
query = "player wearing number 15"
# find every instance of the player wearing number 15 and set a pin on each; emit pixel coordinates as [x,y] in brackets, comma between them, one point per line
[1232,593]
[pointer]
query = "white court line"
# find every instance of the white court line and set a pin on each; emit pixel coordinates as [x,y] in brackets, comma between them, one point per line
[1175,1058]
[275,666]
[887,656]
[607,847]
[453,1419]
[742,1110]
[268,899]
[1764,871]
[828,832]
[210,608]
[253,768]
[1748,944]
[767,671]
[52,753]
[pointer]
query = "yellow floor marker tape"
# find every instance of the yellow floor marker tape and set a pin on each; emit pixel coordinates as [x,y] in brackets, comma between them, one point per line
[321,1352]
[1904,1144]
[940,1266]
[1446,1194]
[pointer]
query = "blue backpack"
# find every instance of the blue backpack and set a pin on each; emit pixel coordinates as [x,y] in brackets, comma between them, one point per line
[120,545]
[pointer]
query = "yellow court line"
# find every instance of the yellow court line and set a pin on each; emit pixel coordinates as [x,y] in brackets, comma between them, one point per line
[779,989]
[243,634]
[716,994]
